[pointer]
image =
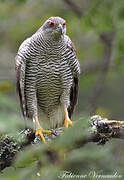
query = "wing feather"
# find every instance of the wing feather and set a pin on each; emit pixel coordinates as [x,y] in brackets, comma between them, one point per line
[20,83]
[20,68]
[75,71]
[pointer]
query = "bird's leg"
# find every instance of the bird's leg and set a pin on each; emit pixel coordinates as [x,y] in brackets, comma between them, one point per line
[39,130]
[65,103]
[67,121]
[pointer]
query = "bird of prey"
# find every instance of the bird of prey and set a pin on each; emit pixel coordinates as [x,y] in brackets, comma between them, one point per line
[47,71]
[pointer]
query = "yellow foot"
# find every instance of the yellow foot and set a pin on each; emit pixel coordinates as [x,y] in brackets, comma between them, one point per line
[67,123]
[40,132]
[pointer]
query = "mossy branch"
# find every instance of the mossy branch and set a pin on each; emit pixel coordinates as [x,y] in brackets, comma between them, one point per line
[100,131]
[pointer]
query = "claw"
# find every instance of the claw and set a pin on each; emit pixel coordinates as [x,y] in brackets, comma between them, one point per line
[39,130]
[45,131]
[40,133]
[54,132]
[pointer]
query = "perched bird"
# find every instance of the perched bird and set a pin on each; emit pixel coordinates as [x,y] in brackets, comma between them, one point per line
[47,72]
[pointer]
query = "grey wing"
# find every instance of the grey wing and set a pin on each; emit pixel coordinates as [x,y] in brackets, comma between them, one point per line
[75,67]
[20,82]
[20,68]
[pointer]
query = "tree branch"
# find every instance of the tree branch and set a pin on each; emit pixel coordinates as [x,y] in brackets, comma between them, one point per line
[107,40]
[100,131]
[75,7]
[89,67]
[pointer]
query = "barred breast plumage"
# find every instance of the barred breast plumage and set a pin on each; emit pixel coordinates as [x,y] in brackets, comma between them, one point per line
[47,69]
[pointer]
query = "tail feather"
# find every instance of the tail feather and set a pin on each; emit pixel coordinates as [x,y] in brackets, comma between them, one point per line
[54,119]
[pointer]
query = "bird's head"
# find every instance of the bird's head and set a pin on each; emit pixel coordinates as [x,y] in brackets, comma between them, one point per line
[55,27]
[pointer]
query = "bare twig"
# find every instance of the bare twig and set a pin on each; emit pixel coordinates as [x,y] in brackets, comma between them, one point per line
[75,7]
[89,67]
[107,40]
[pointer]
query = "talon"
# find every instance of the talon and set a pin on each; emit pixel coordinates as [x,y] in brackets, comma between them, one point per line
[40,133]
[54,132]
[45,131]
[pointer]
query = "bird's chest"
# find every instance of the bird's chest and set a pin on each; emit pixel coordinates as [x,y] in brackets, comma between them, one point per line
[52,70]
[49,67]
[49,73]
[49,84]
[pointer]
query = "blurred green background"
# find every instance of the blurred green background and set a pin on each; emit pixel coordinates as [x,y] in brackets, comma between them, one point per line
[97,29]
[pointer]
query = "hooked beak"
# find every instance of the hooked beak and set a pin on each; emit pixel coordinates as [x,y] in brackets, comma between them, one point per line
[60,28]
